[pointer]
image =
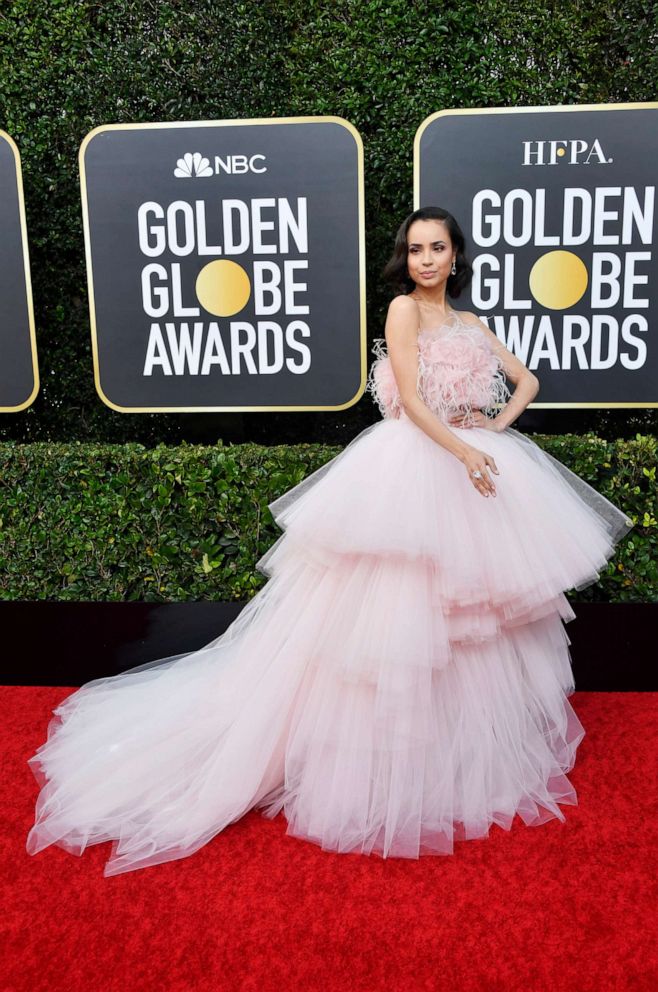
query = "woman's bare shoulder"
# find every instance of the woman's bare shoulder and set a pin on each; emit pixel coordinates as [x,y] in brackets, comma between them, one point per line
[403,304]
[403,311]
[472,318]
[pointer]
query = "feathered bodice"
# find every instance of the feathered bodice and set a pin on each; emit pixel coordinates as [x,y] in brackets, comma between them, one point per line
[457,370]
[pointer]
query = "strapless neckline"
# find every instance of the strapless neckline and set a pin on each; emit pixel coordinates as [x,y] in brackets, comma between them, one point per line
[457,369]
[437,327]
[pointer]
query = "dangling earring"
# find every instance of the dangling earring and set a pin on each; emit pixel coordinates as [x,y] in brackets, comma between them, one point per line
[453,270]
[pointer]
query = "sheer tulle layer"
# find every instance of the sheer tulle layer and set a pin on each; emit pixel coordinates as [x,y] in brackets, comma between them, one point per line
[393,492]
[409,770]
[398,684]
[340,677]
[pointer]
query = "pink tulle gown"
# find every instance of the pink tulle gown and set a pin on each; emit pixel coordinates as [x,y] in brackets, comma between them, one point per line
[399,683]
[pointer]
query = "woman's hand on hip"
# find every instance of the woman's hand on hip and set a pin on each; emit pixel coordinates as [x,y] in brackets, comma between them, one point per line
[479,419]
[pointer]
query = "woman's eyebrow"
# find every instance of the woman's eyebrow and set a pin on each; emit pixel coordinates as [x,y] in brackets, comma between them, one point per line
[416,244]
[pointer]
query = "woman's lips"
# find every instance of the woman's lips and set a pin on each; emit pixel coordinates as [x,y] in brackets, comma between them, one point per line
[426,275]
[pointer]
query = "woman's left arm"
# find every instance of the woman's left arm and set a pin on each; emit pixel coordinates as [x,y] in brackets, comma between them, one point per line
[526,382]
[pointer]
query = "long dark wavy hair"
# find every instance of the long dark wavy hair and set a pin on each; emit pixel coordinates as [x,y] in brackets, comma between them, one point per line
[396,272]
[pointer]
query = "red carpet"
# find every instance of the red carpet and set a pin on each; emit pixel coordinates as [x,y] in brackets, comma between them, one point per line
[562,906]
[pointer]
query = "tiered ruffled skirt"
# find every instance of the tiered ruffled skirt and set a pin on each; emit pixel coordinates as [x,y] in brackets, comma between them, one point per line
[398,684]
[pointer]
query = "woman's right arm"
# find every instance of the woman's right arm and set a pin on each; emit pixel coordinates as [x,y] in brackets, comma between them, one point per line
[401,333]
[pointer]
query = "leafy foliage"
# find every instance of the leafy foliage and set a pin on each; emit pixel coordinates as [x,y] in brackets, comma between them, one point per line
[67,66]
[126,522]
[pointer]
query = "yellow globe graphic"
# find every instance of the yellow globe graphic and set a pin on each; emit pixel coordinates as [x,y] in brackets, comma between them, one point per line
[223,287]
[558,280]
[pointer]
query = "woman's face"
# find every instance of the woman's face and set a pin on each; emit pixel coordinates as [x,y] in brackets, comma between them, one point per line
[429,252]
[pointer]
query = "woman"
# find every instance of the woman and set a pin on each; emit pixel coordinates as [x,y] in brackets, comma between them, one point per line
[401,680]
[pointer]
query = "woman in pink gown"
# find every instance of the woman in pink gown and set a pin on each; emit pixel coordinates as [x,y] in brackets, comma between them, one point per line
[401,680]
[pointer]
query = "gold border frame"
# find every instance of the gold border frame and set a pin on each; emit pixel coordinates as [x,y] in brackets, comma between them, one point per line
[28,278]
[213,123]
[524,110]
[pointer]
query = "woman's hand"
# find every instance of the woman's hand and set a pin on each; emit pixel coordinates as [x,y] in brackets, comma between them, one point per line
[479,462]
[479,420]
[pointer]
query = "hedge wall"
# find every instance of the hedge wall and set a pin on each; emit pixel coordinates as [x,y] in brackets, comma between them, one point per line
[67,66]
[127,522]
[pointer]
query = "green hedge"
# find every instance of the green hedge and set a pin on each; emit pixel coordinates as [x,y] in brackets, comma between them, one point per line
[67,66]
[125,522]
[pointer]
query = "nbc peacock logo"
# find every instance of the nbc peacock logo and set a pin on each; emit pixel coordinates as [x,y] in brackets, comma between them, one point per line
[193,165]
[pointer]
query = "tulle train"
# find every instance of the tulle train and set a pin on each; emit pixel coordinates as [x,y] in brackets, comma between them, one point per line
[399,683]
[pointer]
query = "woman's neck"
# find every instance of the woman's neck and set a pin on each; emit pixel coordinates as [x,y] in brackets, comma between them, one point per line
[432,306]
